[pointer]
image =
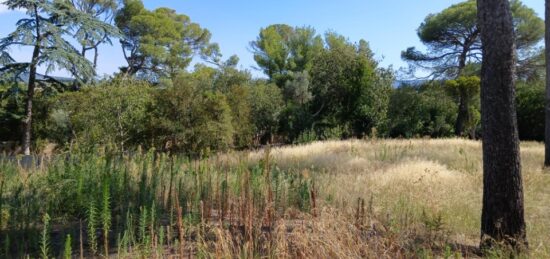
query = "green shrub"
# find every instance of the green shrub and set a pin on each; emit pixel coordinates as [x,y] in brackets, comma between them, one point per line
[238,99]
[530,101]
[12,109]
[348,87]
[191,120]
[421,112]
[114,113]
[266,102]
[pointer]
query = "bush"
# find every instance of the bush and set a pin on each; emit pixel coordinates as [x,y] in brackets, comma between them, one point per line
[191,120]
[234,84]
[238,99]
[530,101]
[426,111]
[295,123]
[349,89]
[266,101]
[115,113]
[12,110]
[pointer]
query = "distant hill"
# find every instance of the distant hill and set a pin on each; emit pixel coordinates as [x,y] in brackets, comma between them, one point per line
[413,82]
[24,77]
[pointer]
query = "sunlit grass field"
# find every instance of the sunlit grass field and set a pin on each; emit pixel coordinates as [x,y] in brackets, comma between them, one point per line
[334,199]
[410,182]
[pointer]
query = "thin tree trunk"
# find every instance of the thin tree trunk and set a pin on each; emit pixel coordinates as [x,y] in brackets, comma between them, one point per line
[27,122]
[547,128]
[463,112]
[502,217]
[96,55]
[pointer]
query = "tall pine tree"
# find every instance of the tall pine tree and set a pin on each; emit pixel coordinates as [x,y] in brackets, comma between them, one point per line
[502,219]
[547,128]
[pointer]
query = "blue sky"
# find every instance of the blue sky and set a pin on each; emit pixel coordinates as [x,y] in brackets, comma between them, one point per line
[388,25]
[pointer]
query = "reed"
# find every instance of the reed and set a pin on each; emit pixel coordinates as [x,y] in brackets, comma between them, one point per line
[68,249]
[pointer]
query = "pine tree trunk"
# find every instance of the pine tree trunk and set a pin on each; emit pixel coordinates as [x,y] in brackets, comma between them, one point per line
[463,112]
[502,217]
[547,123]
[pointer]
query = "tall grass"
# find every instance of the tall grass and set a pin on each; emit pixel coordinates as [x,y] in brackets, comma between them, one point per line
[334,199]
[125,202]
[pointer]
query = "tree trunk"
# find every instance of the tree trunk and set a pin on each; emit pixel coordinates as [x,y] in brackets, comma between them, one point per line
[502,217]
[96,55]
[547,129]
[463,112]
[27,122]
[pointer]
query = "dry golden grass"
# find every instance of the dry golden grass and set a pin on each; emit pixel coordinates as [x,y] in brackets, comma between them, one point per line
[406,180]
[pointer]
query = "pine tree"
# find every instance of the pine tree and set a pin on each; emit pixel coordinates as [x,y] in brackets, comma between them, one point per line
[502,219]
[547,52]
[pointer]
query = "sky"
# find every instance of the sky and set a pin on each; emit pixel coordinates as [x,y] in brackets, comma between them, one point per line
[388,25]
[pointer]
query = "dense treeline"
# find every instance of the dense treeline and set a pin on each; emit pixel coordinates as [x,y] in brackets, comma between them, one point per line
[200,112]
[318,86]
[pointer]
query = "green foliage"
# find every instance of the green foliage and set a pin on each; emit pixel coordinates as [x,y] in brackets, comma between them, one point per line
[139,201]
[528,26]
[186,118]
[92,219]
[212,125]
[48,27]
[308,136]
[235,85]
[111,113]
[297,89]
[425,111]
[161,42]
[530,100]
[238,99]
[106,212]
[68,250]
[453,38]
[196,113]
[11,111]
[348,87]
[88,36]
[465,90]
[296,121]
[142,232]
[325,83]
[281,49]
[266,102]
[45,237]
[469,85]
